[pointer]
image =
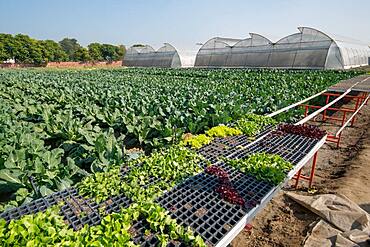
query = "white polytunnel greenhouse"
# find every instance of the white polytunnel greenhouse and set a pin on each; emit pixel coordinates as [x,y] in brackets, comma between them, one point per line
[145,56]
[307,49]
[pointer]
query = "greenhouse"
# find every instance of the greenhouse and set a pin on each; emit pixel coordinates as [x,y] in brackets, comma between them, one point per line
[145,56]
[307,49]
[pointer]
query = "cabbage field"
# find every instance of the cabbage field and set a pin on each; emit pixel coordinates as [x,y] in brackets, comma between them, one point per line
[63,128]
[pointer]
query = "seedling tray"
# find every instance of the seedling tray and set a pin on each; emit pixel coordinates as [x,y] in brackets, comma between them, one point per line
[38,205]
[214,151]
[224,147]
[77,210]
[289,146]
[195,203]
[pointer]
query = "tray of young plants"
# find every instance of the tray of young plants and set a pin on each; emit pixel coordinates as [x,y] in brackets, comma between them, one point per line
[110,208]
[222,141]
[214,201]
[291,142]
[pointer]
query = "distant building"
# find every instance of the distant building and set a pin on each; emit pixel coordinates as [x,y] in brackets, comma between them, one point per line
[10,60]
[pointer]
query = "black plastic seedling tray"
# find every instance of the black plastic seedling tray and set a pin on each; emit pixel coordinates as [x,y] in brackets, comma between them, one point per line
[214,151]
[224,147]
[292,148]
[195,203]
[38,205]
[77,210]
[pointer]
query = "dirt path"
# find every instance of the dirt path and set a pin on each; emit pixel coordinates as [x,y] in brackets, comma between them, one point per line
[343,170]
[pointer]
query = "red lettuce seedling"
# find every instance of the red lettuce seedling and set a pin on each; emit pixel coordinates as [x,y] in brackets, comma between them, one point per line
[224,188]
[229,194]
[220,173]
[303,130]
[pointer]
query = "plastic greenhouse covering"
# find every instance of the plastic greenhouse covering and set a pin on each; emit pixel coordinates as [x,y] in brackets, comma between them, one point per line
[145,56]
[307,49]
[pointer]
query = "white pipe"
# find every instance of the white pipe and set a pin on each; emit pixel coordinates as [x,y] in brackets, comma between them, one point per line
[295,104]
[353,115]
[314,114]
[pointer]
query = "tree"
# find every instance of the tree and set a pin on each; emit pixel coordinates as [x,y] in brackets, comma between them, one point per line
[121,51]
[95,52]
[6,46]
[52,51]
[82,54]
[70,46]
[108,52]
[27,50]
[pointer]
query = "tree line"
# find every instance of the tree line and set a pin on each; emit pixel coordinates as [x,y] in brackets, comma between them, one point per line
[24,49]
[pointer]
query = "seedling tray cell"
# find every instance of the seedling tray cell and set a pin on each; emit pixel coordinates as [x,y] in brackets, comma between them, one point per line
[115,204]
[233,141]
[195,203]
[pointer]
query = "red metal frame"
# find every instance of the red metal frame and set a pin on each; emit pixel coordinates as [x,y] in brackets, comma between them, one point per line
[309,178]
[345,110]
[335,138]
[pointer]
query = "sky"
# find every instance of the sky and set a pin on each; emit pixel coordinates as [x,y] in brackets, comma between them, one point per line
[181,23]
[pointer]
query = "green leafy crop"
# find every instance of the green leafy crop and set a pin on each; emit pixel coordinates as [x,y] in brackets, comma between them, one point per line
[223,131]
[167,168]
[196,141]
[268,167]
[59,126]
[251,124]
[49,229]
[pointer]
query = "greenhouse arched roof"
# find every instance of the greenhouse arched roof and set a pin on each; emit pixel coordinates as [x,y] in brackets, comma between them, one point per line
[307,49]
[145,56]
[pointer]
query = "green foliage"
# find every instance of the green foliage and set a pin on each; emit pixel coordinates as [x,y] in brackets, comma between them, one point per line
[251,124]
[95,52]
[223,131]
[49,229]
[268,167]
[52,51]
[6,46]
[101,185]
[59,125]
[196,141]
[70,47]
[27,50]
[106,52]
[168,168]
[81,54]
[42,229]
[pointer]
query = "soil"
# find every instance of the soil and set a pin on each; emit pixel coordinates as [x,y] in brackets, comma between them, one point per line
[344,170]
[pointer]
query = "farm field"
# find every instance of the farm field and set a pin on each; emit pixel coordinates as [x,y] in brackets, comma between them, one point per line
[73,115]
[59,128]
